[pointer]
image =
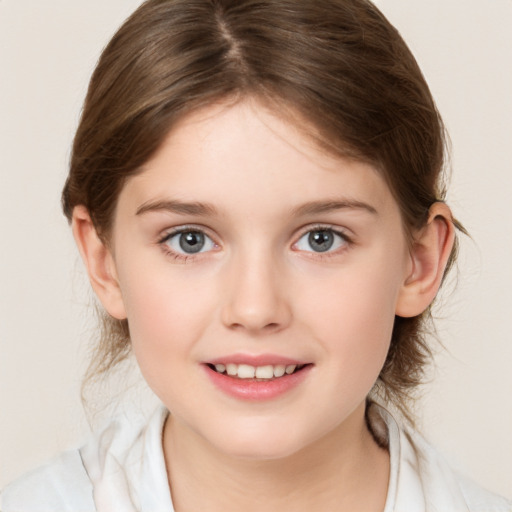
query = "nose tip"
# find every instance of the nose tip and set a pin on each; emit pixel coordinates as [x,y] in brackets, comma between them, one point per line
[256,302]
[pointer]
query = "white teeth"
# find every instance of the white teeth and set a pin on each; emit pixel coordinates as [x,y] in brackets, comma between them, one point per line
[220,368]
[290,368]
[246,371]
[232,369]
[279,370]
[264,372]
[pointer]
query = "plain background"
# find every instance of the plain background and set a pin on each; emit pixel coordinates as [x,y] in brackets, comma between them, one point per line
[47,52]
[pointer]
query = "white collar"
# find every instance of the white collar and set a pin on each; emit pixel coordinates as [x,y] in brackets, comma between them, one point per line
[127,469]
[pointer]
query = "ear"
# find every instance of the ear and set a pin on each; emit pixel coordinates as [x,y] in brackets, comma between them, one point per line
[99,262]
[430,252]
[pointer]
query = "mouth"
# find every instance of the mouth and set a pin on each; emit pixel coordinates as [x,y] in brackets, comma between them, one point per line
[257,378]
[257,373]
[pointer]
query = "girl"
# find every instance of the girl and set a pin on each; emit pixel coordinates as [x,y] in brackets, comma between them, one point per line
[256,191]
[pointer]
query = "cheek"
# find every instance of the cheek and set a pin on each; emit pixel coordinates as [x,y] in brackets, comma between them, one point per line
[166,316]
[354,317]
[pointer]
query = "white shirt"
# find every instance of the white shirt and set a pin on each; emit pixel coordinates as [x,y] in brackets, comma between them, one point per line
[122,469]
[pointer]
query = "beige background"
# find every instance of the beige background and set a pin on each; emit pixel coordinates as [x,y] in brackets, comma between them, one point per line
[47,51]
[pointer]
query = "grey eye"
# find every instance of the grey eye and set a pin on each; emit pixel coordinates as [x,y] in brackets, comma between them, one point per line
[190,242]
[321,240]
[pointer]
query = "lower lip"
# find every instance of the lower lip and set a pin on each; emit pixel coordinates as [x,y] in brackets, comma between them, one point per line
[250,389]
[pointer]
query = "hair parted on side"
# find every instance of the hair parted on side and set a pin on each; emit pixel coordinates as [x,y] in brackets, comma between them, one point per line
[337,68]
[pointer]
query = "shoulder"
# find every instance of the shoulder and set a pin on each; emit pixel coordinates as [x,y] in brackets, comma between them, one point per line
[62,485]
[422,480]
[75,480]
[121,467]
[126,465]
[480,499]
[443,481]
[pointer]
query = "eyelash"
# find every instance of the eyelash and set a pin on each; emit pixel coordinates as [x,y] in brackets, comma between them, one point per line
[183,257]
[347,241]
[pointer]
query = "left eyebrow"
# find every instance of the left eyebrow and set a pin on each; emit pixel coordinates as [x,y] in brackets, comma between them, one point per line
[316,207]
[179,207]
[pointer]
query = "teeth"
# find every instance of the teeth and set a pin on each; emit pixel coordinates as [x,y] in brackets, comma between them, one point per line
[279,370]
[290,368]
[264,372]
[246,371]
[232,369]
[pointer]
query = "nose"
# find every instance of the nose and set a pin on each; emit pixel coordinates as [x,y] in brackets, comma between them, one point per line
[256,296]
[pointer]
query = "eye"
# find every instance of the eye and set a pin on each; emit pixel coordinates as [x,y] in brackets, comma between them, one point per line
[189,242]
[321,240]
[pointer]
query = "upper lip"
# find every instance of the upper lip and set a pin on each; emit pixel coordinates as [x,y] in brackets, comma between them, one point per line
[256,360]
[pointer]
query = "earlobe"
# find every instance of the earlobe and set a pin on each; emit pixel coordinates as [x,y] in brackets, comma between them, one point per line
[99,262]
[429,255]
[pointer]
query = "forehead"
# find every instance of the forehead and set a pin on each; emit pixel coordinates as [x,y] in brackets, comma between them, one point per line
[244,156]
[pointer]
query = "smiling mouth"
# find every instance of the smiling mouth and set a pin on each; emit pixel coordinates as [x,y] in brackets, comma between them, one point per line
[258,373]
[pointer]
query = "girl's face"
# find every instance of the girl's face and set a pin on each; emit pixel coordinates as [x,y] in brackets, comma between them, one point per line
[243,246]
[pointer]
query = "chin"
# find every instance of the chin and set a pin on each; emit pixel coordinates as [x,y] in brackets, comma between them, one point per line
[263,451]
[258,442]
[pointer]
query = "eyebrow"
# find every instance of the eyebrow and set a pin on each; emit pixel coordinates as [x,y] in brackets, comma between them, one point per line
[180,207]
[206,209]
[316,207]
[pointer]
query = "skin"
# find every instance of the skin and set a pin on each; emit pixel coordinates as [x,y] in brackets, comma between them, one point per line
[258,286]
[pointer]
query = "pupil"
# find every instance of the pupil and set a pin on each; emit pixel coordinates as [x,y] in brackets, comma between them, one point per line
[321,241]
[192,242]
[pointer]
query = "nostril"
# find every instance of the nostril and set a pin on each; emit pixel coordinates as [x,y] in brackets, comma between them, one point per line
[271,327]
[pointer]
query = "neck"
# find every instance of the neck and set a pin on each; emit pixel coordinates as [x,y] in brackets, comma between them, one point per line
[344,471]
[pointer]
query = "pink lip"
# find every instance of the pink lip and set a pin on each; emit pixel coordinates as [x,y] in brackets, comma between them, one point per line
[255,360]
[256,390]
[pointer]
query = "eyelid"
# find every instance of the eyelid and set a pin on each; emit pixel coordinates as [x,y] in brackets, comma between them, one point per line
[337,230]
[343,232]
[167,233]
[177,230]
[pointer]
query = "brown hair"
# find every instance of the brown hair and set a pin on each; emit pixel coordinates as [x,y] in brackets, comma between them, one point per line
[337,64]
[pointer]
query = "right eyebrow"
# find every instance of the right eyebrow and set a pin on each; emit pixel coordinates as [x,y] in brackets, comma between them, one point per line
[316,207]
[180,207]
